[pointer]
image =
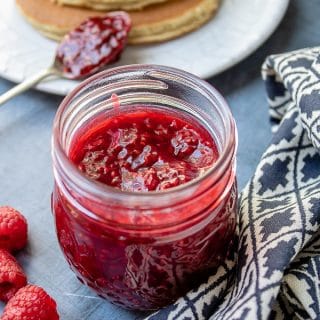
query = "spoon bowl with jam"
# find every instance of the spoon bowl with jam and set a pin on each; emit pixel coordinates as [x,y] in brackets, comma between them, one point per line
[95,43]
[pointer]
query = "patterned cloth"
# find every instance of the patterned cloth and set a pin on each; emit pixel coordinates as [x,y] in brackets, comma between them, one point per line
[277,268]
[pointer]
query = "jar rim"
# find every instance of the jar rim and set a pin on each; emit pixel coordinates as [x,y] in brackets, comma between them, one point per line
[99,189]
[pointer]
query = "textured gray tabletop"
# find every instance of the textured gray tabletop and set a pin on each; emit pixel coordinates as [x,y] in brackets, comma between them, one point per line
[25,163]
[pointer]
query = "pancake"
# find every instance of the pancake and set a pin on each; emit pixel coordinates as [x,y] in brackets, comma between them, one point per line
[109,4]
[155,23]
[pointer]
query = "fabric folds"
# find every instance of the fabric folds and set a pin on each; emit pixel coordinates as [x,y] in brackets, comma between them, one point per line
[275,272]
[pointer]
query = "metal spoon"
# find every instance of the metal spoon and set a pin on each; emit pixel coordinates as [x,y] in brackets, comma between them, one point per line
[30,82]
[72,60]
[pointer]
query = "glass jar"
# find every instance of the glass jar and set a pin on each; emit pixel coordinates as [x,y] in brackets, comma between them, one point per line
[144,250]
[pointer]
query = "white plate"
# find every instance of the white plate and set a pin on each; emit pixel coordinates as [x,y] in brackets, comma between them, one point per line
[239,28]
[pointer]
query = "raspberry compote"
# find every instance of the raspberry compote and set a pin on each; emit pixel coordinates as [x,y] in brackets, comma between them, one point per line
[145,150]
[145,191]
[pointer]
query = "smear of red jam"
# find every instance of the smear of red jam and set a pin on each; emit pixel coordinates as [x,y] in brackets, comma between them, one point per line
[94,43]
[144,151]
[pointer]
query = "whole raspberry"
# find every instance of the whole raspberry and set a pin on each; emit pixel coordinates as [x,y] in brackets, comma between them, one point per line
[31,303]
[13,229]
[12,277]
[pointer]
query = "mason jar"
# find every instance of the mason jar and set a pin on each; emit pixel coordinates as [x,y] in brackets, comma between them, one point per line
[142,250]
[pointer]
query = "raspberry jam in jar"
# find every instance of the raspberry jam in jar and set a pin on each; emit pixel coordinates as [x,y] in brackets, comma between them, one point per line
[143,150]
[145,191]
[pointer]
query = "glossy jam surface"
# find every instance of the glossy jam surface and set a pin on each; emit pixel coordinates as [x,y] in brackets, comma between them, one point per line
[94,43]
[144,151]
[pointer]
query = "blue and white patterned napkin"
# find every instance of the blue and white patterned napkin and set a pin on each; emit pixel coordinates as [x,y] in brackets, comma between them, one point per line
[276,273]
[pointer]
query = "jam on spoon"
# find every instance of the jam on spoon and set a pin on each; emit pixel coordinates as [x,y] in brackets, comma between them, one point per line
[93,44]
[96,42]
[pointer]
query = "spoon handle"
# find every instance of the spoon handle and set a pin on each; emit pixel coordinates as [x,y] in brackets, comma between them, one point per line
[28,83]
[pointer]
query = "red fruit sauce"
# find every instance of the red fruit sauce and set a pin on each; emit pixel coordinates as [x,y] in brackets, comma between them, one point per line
[144,151]
[94,43]
[137,257]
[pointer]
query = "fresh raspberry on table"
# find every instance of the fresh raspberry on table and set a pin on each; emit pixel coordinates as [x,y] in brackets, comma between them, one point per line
[12,277]
[31,303]
[13,229]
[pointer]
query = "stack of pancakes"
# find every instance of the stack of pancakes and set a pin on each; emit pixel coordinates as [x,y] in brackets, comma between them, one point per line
[152,20]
